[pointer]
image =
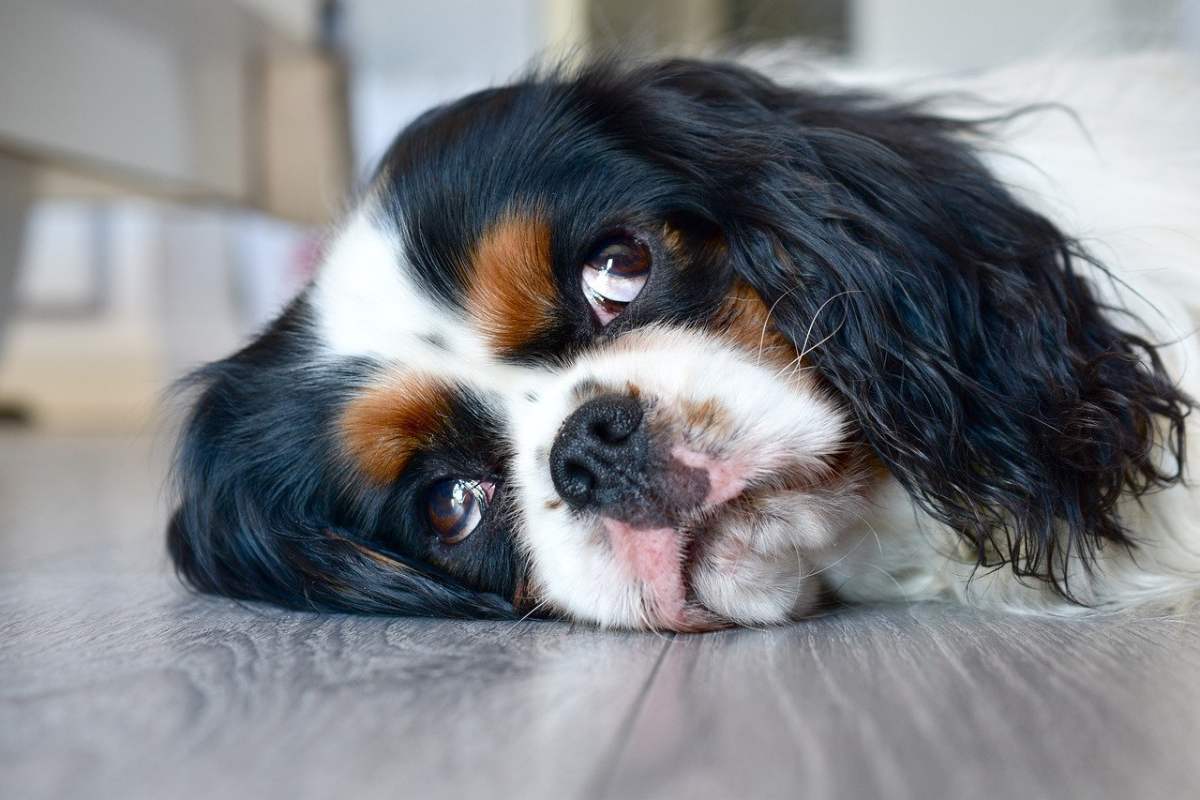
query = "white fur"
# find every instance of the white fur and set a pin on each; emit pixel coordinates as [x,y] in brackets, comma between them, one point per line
[368,306]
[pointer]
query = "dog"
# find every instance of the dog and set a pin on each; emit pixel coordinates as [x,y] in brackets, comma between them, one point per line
[673,345]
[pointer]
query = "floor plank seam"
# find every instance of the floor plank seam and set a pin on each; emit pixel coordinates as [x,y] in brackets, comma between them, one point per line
[601,779]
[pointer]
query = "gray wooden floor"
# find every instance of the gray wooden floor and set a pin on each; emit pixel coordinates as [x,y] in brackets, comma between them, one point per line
[115,683]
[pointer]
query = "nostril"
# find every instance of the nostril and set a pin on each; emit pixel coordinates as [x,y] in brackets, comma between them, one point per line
[612,420]
[609,431]
[578,480]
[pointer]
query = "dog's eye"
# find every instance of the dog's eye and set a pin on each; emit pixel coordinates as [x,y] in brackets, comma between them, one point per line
[455,507]
[614,274]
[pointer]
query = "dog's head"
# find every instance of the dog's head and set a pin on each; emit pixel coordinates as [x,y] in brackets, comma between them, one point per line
[633,345]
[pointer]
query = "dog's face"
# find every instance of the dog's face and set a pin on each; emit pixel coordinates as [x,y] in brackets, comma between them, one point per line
[632,347]
[566,368]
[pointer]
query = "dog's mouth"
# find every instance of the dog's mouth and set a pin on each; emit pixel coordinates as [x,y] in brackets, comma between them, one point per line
[658,545]
[663,549]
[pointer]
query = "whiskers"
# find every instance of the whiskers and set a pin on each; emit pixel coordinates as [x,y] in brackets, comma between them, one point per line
[762,336]
[532,611]
[796,365]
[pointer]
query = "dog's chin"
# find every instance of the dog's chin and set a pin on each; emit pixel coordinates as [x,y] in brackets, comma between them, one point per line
[771,450]
[749,562]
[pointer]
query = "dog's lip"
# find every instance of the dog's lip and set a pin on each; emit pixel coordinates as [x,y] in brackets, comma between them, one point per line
[673,603]
[660,559]
[723,483]
[658,553]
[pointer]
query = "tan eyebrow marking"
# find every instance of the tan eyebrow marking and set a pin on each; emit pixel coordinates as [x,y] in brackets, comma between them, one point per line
[387,422]
[512,292]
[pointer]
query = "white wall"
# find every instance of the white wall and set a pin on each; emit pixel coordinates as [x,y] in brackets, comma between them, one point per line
[410,55]
[941,35]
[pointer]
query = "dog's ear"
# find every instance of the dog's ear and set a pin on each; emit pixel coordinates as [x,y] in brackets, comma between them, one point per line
[957,323]
[261,512]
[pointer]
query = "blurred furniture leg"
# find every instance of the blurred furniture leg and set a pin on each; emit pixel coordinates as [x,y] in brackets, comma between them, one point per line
[16,196]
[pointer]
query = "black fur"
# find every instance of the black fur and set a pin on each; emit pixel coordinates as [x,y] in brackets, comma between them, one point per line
[952,320]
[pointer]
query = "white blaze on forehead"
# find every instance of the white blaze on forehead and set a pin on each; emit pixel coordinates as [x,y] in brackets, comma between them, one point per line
[369,304]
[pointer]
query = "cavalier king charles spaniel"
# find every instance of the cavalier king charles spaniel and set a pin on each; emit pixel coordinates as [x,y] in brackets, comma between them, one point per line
[675,346]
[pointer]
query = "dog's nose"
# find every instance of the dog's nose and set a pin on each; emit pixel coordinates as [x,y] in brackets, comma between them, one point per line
[599,456]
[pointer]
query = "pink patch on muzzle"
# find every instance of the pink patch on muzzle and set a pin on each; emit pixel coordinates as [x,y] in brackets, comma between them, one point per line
[725,478]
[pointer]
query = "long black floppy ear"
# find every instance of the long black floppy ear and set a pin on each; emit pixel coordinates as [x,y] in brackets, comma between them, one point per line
[262,511]
[956,322]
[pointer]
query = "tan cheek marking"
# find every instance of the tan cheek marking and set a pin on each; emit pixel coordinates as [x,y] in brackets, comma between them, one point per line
[526,599]
[745,322]
[387,423]
[672,239]
[512,294]
[708,416]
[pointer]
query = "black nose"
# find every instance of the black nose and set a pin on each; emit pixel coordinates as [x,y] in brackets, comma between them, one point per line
[599,456]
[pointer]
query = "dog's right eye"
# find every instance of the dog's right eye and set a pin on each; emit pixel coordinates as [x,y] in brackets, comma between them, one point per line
[614,274]
[455,507]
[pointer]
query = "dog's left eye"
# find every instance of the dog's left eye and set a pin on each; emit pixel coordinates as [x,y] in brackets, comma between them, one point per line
[614,274]
[455,507]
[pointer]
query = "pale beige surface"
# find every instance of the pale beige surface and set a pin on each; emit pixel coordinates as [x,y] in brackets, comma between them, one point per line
[118,684]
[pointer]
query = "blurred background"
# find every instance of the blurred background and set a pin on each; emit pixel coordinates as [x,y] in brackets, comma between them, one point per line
[167,166]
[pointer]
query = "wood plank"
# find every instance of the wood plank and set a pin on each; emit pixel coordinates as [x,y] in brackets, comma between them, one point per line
[923,702]
[97,499]
[122,686]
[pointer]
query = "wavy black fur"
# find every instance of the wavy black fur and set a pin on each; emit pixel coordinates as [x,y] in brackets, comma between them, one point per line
[977,360]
